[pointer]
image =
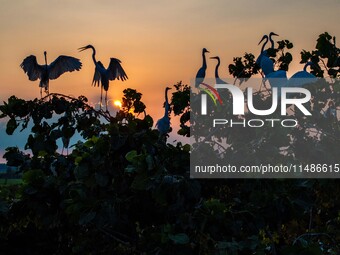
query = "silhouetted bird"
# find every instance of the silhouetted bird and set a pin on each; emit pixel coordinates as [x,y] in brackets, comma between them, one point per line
[163,124]
[102,75]
[200,78]
[279,79]
[47,72]
[302,78]
[217,77]
[201,72]
[263,59]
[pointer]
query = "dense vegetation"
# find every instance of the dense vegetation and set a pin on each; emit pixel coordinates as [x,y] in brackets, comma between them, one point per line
[124,190]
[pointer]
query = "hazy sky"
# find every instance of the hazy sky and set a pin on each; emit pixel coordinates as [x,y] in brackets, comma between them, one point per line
[158,42]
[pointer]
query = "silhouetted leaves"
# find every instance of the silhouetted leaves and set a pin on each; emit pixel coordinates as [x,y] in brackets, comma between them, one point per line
[11,126]
[326,56]
[243,67]
[181,106]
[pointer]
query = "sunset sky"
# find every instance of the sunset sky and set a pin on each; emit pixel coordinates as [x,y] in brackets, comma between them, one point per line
[158,42]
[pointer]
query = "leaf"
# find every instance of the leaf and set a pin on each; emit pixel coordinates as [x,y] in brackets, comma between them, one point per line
[148,119]
[130,169]
[131,155]
[288,57]
[11,126]
[180,238]
[77,194]
[332,72]
[86,217]
[42,153]
[187,148]
[182,131]
[78,160]
[34,177]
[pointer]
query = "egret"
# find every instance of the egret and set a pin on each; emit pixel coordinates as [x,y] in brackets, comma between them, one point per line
[103,76]
[47,72]
[263,59]
[271,39]
[302,78]
[267,38]
[201,72]
[267,65]
[163,124]
[217,77]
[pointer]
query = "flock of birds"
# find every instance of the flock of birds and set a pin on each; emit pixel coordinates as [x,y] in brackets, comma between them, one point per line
[63,64]
[276,78]
[102,75]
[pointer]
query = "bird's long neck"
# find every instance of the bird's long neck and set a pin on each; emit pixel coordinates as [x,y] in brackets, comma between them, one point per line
[45,54]
[166,96]
[271,41]
[204,60]
[166,103]
[94,55]
[216,68]
[264,44]
[306,65]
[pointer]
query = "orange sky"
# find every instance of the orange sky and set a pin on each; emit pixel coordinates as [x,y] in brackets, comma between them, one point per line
[158,42]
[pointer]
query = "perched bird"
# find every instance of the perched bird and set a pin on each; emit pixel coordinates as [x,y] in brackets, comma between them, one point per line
[267,65]
[47,72]
[276,78]
[267,38]
[217,77]
[302,78]
[271,39]
[263,59]
[279,79]
[163,124]
[201,72]
[212,92]
[102,76]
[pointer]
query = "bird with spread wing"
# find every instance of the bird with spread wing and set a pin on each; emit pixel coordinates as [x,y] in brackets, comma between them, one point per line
[47,72]
[103,75]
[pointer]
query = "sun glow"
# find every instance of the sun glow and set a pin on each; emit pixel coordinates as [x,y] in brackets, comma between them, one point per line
[117,103]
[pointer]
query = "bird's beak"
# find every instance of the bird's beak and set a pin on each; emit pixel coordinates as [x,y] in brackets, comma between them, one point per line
[275,34]
[82,48]
[264,37]
[214,57]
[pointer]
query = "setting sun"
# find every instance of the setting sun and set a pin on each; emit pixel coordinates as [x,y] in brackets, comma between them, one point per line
[117,103]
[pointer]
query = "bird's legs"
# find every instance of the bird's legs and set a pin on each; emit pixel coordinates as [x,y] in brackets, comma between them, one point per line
[101,97]
[106,100]
[47,90]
